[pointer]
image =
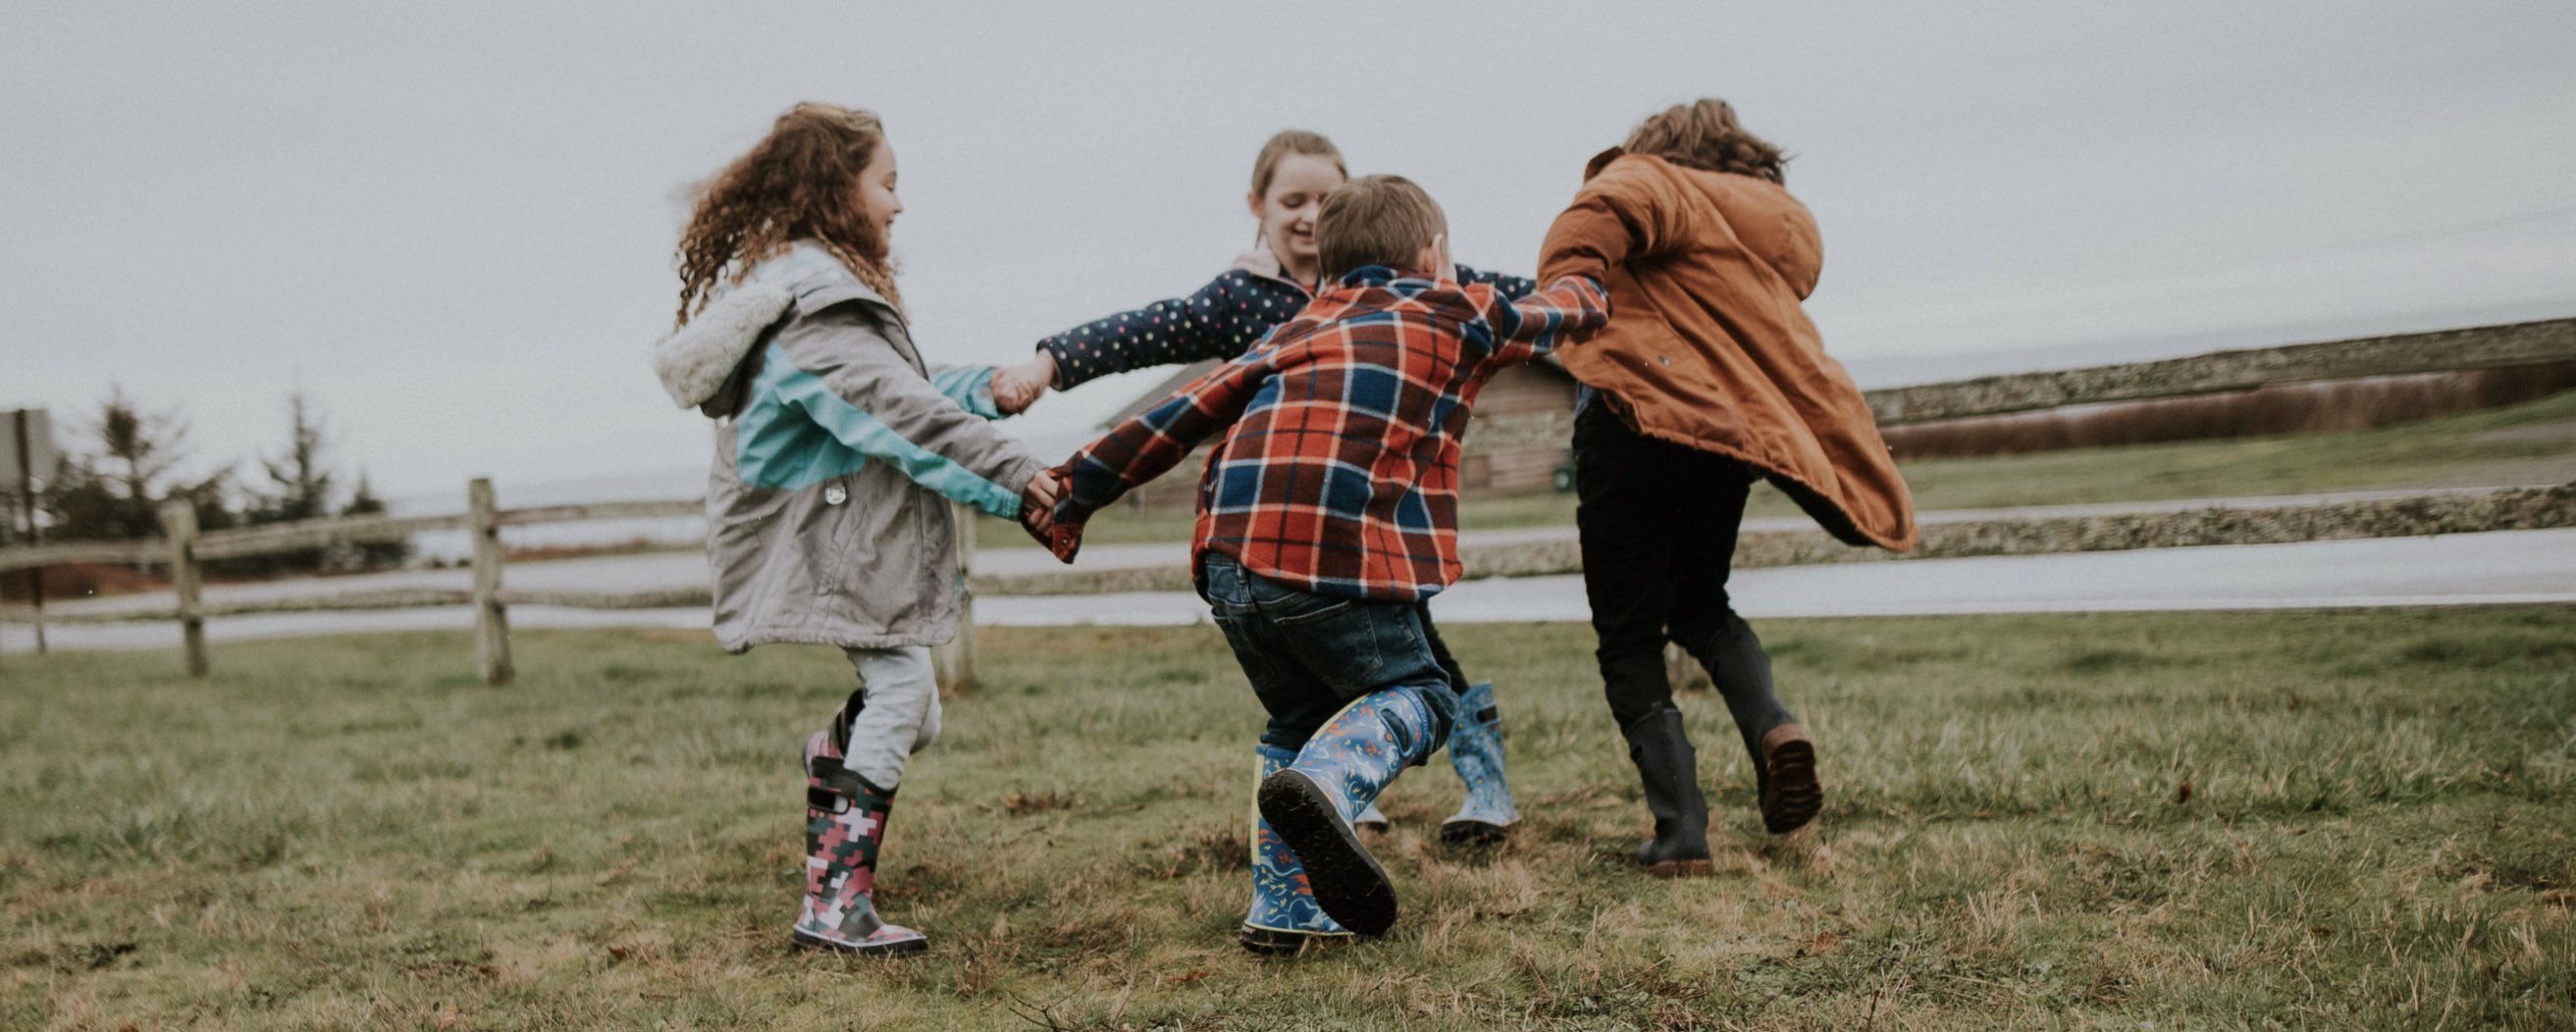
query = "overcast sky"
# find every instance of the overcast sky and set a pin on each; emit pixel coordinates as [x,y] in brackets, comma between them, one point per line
[451,224]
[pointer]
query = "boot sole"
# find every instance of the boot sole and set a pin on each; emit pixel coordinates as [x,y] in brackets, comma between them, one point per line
[1678,868]
[900,948]
[1795,796]
[1274,943]
[1347,881]
[1474,832]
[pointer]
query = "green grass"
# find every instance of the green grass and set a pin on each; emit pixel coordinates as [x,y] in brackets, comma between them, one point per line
[2306,819]
[2457,451]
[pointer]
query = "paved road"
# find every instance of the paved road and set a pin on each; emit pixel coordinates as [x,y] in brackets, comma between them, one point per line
[2457,569]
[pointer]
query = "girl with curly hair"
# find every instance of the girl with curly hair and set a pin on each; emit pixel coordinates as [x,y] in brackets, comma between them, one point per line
[837,453]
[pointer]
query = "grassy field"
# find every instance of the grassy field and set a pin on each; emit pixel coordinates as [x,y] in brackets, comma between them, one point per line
[2327,820]
[2531,443]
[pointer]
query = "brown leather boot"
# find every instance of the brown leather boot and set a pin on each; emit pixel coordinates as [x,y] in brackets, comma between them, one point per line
[1790,795]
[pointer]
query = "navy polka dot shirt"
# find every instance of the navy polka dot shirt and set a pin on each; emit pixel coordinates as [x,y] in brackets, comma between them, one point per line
[1223,320]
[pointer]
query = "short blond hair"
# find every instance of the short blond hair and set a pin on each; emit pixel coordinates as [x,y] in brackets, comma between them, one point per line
[1376,220]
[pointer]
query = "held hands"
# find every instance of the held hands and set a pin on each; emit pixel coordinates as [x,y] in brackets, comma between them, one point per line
[1037,515]
[1016,387]
[1037,507]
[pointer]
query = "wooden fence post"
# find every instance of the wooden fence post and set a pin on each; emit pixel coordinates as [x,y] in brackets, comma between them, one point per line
[179,525]
[27,506]
[953,664]
[491,623]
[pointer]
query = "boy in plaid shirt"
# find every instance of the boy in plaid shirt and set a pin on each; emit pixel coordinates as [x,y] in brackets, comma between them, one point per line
[1327,516]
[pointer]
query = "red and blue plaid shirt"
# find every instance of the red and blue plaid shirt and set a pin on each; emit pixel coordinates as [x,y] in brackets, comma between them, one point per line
[1338,471]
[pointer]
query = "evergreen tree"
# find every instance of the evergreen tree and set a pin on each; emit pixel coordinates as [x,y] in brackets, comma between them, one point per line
[373,554]
[115,492]
[298,488]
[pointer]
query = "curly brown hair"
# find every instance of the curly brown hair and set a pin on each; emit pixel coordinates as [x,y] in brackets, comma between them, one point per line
[1704,134]
[798,183]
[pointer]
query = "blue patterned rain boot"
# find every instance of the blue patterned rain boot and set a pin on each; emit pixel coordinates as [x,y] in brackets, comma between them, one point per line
[1476,750]
[1283,917]
[844,825]
[1371,820]
[1341,768]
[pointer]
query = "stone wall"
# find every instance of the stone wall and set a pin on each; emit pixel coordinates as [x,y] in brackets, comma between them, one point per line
[2481,347]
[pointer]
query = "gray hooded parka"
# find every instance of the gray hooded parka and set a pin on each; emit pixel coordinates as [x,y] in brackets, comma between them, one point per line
[837,452]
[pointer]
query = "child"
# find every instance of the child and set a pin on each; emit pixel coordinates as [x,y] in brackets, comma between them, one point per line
[1327,513]
[837,453]
[1290,177]
[1709,377]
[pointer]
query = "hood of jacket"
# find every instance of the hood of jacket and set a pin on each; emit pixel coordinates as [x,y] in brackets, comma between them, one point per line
[695,361]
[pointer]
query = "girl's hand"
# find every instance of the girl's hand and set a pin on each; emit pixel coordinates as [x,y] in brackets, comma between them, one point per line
[1016,387]
[1037,505]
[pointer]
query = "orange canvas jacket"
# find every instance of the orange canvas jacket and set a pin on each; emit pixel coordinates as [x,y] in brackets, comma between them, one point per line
[1707,345]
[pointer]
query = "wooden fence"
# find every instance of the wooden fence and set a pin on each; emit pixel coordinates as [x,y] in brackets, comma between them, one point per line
[183,547]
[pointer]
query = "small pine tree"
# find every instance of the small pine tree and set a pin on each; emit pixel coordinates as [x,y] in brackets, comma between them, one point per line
[374,554]
[299,485]
[115,492]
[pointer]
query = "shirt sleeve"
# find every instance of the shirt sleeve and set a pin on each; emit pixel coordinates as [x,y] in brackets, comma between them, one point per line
[1222,320]
[849,380]
[1151,442]
[971,387]
[1623,212]
[1570,309]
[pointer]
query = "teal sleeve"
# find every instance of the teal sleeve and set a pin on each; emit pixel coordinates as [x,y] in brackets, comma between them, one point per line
[873,438]
[971,387]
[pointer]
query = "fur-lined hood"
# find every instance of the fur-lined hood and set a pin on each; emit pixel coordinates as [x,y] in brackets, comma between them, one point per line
[694,361]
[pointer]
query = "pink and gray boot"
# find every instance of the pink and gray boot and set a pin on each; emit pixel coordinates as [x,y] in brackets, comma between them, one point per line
[844,825]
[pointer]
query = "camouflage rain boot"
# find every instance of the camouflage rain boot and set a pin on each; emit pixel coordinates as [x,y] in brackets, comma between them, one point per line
[1341,768]
[1283,917]
[1476,750]
[844,824]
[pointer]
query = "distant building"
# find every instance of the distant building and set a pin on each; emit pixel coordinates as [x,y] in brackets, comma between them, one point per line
[1517,438]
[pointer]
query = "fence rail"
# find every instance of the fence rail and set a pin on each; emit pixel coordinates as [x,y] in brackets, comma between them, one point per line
[184,550]
[71,553]
[600,511]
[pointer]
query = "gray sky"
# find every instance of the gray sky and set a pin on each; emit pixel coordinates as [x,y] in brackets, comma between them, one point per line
[452,223]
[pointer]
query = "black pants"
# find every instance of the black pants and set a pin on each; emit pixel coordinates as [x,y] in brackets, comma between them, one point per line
[1658,523]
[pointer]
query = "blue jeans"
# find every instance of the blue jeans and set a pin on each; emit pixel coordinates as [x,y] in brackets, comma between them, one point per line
[1308,655]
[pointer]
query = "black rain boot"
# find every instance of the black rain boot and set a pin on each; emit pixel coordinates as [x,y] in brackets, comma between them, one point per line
[1662,752]
[1783,754]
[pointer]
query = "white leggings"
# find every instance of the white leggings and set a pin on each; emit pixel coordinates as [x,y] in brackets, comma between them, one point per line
[900,715]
